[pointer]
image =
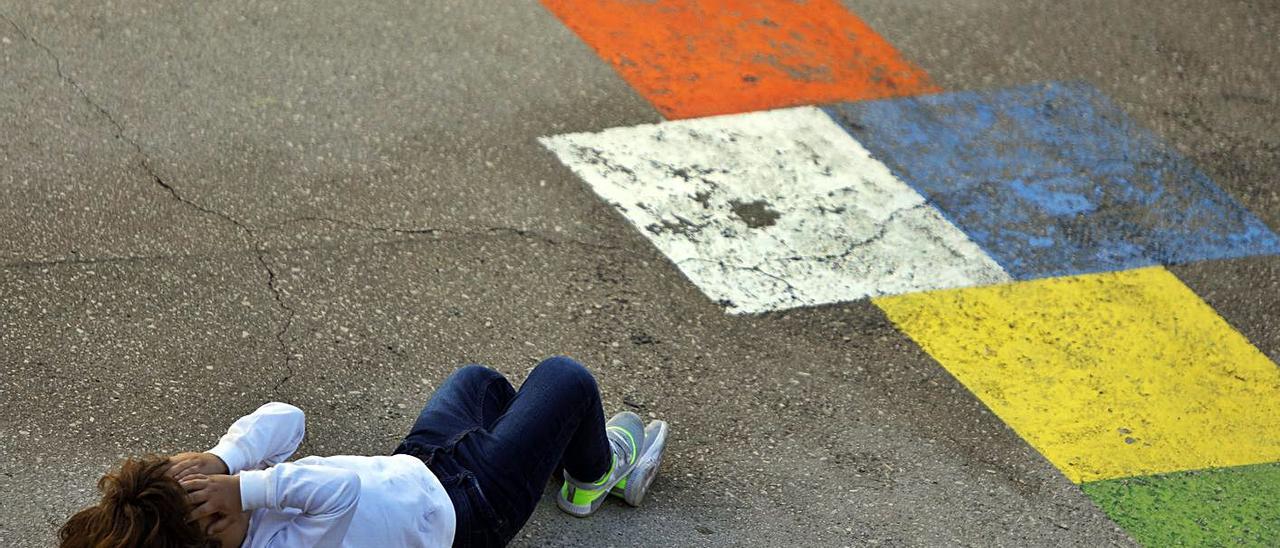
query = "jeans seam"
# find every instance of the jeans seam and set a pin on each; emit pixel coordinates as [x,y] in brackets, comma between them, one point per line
[484,391]
[487,507]
[453,442]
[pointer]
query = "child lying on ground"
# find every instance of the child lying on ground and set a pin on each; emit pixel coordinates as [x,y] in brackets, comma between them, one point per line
[469,473]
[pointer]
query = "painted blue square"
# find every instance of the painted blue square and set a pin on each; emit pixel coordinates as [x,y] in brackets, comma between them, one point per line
[1054,179]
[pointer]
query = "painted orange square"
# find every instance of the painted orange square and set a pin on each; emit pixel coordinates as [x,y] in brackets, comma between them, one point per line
[695,58]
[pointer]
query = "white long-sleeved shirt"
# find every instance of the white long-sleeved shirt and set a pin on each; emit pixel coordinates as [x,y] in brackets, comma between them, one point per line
[329,501]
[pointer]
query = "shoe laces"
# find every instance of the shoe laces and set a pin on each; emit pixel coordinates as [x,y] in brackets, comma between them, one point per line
[621,447]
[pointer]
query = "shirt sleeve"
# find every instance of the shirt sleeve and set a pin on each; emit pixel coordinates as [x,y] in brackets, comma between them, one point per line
[261,439]
[326,496]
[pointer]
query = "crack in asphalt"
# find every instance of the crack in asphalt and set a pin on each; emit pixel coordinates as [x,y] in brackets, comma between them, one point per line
[795,293]
[462,233]
[256,242]
[77,260]
[119,129]
[145,163]
[880,233]
[278,295]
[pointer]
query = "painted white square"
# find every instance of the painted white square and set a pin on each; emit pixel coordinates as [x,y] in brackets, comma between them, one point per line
[774,210]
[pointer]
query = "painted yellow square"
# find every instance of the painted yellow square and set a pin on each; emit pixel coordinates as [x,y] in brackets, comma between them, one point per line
[1108,375]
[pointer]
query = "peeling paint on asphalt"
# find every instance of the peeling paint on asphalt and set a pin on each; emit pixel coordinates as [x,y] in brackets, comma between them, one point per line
[1108,375]
[756,214]
[774,210]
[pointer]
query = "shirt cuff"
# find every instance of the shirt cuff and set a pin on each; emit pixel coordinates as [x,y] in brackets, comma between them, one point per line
[230,455]
[255,489]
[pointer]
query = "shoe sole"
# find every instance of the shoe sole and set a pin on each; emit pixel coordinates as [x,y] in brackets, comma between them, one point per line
[642,476]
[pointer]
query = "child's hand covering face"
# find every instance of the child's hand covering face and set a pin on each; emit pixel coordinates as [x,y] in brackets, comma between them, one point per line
[186,464]
[216,497]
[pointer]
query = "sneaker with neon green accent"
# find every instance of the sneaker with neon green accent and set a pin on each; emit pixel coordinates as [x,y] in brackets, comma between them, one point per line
[634,487]
[626,437]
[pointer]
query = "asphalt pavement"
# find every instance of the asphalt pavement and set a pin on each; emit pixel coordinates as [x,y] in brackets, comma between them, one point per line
[334,204]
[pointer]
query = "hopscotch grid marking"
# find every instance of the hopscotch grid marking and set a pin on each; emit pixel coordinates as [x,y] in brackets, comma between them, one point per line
[838,225]
[1162,254]
[1040,355]
[1132,188]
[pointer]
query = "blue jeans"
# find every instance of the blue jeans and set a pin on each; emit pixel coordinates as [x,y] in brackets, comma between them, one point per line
[494,448]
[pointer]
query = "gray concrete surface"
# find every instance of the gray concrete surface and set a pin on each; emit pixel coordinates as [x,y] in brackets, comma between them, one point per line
[207,206]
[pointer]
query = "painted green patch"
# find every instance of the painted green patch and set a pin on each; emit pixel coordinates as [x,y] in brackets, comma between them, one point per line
[1223,507]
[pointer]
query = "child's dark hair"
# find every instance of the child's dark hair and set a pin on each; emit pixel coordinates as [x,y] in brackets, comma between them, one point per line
[141,506]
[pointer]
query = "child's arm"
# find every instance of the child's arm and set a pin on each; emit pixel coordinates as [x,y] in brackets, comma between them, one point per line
[261,439]
[327,497]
